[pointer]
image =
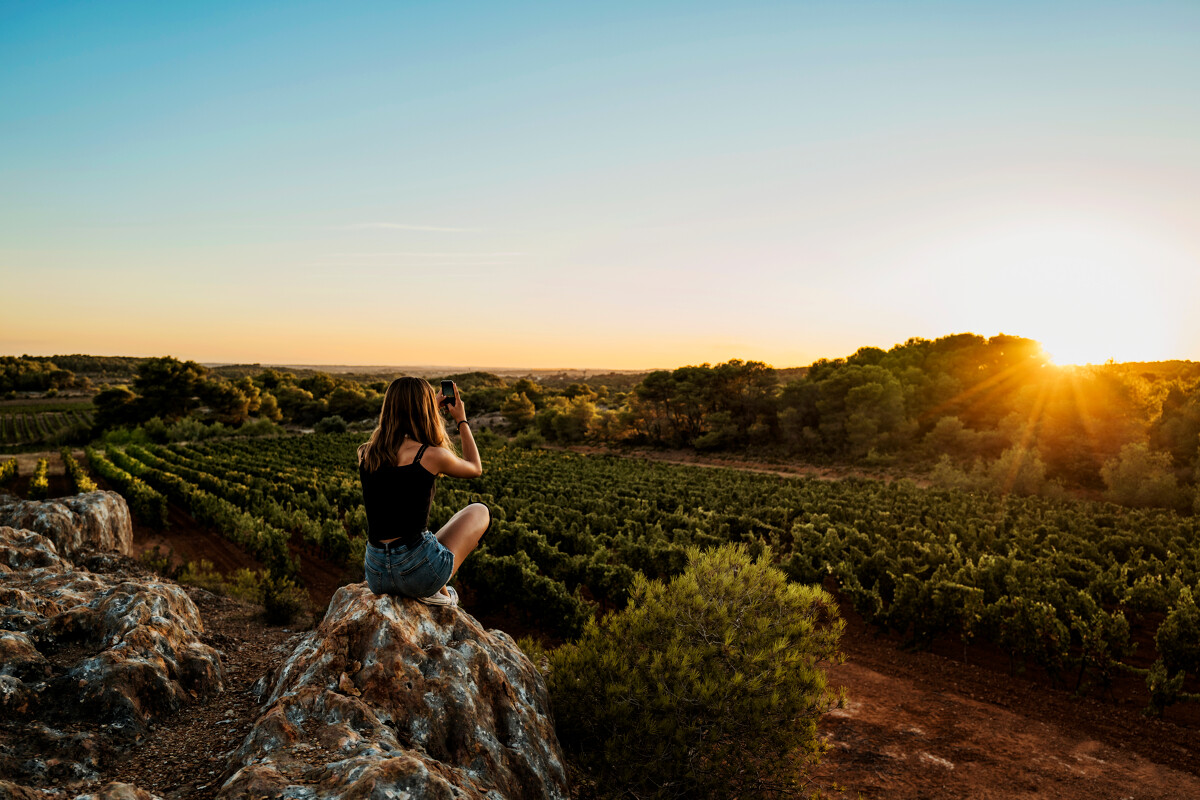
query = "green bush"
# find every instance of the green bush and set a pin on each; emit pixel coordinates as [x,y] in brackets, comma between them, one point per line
[333,424]
[39,484]
[528,440]
[282,599]
[158,562]
[204,575]
[8,471]
[1178,636]
[708,686]
[1140,477]
[80,481]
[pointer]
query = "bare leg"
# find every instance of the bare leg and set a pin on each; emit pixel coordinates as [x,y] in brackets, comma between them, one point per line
[462,532]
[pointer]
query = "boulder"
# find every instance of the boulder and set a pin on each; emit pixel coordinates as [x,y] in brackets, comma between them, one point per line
[92,521]
[119,791]
[389,697]
[88,661]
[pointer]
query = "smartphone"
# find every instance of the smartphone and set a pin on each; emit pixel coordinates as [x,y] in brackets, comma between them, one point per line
[448,392]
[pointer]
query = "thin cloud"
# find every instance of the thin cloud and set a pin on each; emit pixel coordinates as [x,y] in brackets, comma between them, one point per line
[400,226]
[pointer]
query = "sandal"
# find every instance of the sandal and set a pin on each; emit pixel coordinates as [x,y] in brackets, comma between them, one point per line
[439,599]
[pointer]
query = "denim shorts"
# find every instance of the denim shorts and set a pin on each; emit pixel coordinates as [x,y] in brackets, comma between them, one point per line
[416,571]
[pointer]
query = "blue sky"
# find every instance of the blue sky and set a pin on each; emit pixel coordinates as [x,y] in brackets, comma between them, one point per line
[602,185]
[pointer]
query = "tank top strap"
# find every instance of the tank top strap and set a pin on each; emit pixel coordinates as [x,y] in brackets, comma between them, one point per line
[420,453]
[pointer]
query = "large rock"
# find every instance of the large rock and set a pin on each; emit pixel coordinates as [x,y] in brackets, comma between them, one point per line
[88,661]
[92,521]
[390,698]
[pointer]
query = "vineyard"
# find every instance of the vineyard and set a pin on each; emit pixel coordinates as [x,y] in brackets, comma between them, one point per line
[25,426]
[1080,590]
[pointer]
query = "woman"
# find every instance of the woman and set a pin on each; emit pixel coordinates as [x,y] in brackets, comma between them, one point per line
[398,465]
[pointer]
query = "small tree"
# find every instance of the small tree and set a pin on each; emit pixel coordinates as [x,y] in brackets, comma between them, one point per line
[707,686]
[518,409]
[333,424]
[1141,477]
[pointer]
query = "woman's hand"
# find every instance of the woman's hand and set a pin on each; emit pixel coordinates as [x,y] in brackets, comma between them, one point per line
[457,412]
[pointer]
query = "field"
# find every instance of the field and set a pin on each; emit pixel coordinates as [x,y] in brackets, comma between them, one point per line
[25,425]
[1090,597]
[969,613]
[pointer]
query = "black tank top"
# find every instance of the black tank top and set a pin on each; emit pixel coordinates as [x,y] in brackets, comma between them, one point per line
[397,500]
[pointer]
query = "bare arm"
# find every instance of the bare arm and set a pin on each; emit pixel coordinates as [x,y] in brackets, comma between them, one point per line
[444,461]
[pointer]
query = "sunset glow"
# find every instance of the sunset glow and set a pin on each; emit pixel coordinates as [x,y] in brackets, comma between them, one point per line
[628,186]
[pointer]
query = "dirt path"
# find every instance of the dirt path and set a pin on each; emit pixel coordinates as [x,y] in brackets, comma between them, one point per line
[921,725]
[897,739]
[183,756]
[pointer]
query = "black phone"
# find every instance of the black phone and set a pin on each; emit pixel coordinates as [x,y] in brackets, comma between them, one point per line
[448,392]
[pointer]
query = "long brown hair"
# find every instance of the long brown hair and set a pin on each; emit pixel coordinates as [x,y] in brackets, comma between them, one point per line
[409,409]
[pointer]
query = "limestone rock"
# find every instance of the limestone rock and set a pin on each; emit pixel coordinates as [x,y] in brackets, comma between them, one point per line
[119,791]
[88,661]
[96,521]
[12,791]
[404,700]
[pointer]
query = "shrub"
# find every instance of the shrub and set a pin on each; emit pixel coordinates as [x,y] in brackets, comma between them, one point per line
[1139,476]
[528,440]
[282,599]
[80,481]
[1018,470]
[1178,636]
[204,575]
[8,471]
[39,484]
[707,686]
[259,427]
[333,424]
[159,562]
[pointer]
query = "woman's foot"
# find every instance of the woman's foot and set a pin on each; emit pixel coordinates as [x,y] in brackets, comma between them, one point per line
[446,596]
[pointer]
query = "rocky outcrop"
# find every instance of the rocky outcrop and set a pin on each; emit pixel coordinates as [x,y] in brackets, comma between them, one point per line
[92,521]
[390,698]
[88,661]
[119,791]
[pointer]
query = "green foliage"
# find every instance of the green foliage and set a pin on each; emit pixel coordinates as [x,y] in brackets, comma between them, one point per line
[518,409]
[39,484]
[1165,688]
[332,424]
[707,686]
[528,440]
[1064,585]
[147,505]
[1018,470]
[159,562]
[1178,636]
[8,471]
[1141,477]
[282,600]
[80,481]
[33,373]
[202,574]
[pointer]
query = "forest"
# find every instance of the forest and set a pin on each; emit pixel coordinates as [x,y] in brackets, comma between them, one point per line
[966,411]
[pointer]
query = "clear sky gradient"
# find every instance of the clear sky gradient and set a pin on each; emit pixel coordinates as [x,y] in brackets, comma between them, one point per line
[619,185]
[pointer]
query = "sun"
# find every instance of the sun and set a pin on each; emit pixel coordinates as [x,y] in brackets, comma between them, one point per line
[1087,292]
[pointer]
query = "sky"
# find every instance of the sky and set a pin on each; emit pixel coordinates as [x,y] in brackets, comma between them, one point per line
[597,185]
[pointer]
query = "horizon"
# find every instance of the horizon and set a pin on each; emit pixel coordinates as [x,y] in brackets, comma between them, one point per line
[440,369]
[631,185]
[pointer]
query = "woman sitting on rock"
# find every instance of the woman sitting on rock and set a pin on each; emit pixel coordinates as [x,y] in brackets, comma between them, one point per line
[398,465]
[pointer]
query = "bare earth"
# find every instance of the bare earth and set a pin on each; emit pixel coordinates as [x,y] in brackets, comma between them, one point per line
[917,725]
[923,725]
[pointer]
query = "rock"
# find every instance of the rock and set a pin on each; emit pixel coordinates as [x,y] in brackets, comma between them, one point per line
[96,521]
[12,791]
[412,700]
[119,791]
[88,662]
